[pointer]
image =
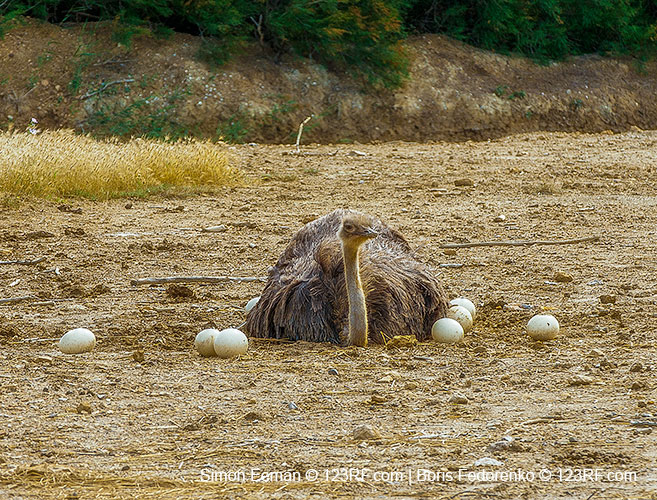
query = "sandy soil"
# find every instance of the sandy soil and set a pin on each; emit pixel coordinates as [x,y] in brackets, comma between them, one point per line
[109,424]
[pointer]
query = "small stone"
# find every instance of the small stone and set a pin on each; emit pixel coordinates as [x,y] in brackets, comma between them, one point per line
[177,291]
[215,229]
[128,206]
[35,235]
[100,289]
[637,386]
[449,251]
[464,182]
[83,407]
[499,218]
[138,356]
[487,461]
[507,443]
[497,303]
[254,416]
[480,349]
[194,426]
[365,432]
[580,380]
[561,277]
[458,399]
[643,430]
[636,367]
[385,380]
[377,399]
[410,386]
[71,210]
[598,353]
[292,406]
[607,299]
[43,359]
[333,371]
[641,404]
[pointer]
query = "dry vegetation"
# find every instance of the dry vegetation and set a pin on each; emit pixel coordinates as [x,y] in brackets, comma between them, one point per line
[62,164]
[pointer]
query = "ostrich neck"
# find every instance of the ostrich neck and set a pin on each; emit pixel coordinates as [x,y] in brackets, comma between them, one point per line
[357,307]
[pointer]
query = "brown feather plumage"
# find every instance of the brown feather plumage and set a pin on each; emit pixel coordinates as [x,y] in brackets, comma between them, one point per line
[305,297]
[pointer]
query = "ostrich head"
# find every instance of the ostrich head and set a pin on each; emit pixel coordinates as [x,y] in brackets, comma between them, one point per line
[355,230]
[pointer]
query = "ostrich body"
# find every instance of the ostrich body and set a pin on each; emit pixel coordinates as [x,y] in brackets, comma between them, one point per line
[346,278]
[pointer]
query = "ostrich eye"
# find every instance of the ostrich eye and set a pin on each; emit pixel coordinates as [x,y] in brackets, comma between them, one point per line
[349,227]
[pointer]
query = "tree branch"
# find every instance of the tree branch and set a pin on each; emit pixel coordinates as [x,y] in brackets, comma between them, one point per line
[23,262]
[13,300]
[520,243]
[104,86]
[196,279]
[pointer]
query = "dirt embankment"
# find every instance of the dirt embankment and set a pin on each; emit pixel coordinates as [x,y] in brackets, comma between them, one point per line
[77,77]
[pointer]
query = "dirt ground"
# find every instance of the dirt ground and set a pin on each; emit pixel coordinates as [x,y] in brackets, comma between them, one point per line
[577,414]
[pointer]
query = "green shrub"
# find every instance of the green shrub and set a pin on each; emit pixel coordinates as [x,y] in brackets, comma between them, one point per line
[609,25]
[358,35]
[542,29]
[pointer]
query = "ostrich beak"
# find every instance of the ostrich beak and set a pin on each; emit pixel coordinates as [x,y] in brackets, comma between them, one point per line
[368,232]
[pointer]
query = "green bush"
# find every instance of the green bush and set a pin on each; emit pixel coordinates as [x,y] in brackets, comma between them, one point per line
[609,26]
[361,35]
[542,29]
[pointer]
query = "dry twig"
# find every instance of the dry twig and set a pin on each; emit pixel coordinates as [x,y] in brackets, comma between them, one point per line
[112,60]
[23,262]
[13,300]
[196,279]
[301,131]
[519,243]
[104,86]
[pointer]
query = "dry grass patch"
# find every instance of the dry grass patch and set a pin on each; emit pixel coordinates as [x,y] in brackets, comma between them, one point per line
[62,164]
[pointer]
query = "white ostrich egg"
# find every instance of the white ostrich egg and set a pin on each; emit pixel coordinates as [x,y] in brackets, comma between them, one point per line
[447,331]
[230,342]
[463,302]
[462,315]
[204,342]
[77,341]
[543,327]
[251,304]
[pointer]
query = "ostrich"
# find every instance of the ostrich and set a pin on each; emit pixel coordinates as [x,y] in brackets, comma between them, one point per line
[346,278]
